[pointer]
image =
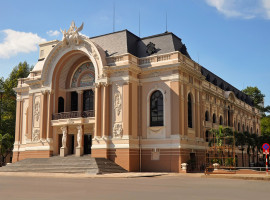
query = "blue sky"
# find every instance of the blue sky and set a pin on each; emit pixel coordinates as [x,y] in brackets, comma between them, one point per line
[229,37]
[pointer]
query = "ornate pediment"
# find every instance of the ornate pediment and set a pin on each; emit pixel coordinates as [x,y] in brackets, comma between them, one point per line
[72,36]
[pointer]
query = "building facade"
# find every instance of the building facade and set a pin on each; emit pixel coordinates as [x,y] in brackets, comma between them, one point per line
[140,102]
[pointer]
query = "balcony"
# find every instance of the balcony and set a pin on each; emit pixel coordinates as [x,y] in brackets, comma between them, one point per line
[74,114]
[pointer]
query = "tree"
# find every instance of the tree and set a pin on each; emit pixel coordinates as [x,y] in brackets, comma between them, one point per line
[256,95]
[6,144]
[8,107]
[265,125]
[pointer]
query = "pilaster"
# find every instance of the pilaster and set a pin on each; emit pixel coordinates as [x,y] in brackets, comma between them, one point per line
[43,115]
[98,110]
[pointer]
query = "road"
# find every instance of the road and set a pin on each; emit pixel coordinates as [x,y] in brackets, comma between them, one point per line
[165,188]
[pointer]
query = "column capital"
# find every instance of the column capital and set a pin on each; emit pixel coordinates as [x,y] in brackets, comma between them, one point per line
[79,91]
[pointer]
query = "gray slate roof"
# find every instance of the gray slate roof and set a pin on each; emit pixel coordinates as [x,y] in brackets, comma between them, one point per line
[124,41]
[121,42]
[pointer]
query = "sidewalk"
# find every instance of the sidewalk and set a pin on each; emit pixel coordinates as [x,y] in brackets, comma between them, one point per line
[262,177]
[139,174]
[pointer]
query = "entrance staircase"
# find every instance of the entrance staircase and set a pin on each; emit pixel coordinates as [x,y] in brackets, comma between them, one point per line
[69,164]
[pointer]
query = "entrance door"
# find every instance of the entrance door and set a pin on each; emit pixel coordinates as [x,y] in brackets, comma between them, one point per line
[59,142]
[72,144]
[192,161]
[87,144]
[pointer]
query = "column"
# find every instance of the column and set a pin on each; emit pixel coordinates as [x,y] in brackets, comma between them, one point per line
[30,117]
[18,121]
[175,108]
[63,149]
[182,111]
[18,131]
[198,115]
[80,101]
[105,111]
[49,116]
[127,109]
[97,111]
[186,110]
[43,115]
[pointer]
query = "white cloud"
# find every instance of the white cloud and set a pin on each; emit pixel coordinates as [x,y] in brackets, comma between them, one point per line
[53,33]
[245,9]
[224,6]
[18,42]
[266,7]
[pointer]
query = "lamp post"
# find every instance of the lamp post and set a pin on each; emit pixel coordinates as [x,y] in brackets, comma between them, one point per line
[1,98]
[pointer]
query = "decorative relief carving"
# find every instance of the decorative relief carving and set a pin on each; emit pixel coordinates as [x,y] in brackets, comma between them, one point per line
[117,103]
[118,130]
[36,111]
[36,135]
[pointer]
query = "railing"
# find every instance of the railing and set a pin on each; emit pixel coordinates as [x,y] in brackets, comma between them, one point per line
[74,114]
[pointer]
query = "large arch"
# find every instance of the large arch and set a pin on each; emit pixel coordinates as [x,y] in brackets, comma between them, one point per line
[86,47]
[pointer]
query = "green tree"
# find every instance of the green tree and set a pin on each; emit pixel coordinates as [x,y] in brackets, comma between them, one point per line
[256,95]
[8,106]
[265,125]
[6,144]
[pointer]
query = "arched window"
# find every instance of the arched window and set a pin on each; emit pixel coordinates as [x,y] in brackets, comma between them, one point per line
[220,120]
[214,118]
[156,109]
[61,104]
[243,128]
[247,129]
[88,100]
[206,116]
[238,126]
[229,116]
[190,111]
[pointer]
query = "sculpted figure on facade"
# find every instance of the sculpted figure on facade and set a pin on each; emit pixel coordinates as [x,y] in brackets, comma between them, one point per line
[64,138]
[35,135]
[79,136]
[36,111]
[118,130]
[72,36]
[117,103]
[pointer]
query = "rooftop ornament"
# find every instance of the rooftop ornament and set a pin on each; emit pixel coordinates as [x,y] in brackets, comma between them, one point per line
[72,36]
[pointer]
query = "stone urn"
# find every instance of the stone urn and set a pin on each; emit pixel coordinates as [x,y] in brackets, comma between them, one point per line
[184,166]
[216,166]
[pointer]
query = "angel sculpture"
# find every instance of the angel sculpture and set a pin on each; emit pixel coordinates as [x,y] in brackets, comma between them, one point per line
[72,35]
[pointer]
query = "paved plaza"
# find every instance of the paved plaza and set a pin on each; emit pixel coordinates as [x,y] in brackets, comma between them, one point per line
[164,187]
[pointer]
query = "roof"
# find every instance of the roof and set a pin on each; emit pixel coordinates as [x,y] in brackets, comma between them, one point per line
[216,80]
[124,41]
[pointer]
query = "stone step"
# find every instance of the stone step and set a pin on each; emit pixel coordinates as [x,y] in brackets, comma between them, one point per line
[70,164]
